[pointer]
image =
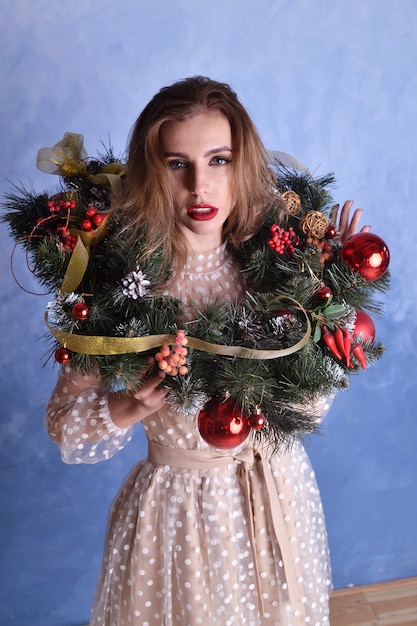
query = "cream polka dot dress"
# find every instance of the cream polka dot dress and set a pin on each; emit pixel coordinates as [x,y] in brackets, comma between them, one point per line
[198,535]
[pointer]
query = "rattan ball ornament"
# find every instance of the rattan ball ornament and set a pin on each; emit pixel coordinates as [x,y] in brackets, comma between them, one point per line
[292,202]
[314,224]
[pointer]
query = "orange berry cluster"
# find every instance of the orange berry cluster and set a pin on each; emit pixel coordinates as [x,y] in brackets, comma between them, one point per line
[325,247]
[172,360]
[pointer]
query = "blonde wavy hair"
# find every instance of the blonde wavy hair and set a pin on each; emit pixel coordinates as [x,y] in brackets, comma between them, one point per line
[147,199]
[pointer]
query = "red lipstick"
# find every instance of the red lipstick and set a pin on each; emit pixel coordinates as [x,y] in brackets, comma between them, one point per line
[202,212]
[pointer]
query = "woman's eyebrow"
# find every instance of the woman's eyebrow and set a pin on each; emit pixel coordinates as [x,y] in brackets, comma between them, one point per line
[182,155]
[216,150]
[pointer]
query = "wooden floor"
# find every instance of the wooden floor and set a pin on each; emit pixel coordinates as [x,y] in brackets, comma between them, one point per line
[386,604]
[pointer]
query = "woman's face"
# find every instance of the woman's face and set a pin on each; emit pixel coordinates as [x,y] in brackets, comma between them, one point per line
[199,152]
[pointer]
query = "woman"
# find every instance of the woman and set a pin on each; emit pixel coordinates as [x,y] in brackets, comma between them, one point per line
[197,535]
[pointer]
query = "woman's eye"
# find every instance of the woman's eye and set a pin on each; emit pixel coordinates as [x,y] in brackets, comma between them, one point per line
[176,165]
[220,160]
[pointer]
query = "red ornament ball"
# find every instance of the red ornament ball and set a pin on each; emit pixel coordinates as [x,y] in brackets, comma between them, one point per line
[331,231]
[86,225]
[364,326]
[91,211]
[80,311]
[63,355]
[324,293]
[367,254]
[257,420]
[98,219]
[222,425]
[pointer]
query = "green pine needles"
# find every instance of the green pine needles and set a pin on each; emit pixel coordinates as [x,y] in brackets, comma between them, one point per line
[298,287]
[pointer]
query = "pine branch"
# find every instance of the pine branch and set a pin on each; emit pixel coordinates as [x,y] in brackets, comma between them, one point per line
[349,286]
[284,286]
[23,209]
[313,192]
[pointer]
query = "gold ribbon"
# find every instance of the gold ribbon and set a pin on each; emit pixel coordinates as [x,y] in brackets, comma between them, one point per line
[203,459]
[76,267]
[98,344]
[66,158]
[69,158]
[102,345]
[111,174]
[79,257]
[91,237]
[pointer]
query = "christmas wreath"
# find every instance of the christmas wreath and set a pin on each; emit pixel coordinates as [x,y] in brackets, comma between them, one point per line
[302,330]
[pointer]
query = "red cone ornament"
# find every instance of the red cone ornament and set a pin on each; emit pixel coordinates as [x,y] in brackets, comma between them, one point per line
[367,254]
[222,425]
[364,326]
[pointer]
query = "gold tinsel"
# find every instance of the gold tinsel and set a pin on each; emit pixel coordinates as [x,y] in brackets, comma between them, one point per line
[314,224]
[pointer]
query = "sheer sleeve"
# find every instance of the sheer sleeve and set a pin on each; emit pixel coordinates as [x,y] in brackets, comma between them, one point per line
[79,422]
[321,407]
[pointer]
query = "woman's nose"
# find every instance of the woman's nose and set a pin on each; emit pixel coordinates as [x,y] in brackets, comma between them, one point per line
[198,181]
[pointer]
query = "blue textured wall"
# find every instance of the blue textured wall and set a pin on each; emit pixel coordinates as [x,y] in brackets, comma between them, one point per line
[331,82]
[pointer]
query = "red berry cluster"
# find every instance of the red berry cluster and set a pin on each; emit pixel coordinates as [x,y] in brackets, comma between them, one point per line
[62,231]
[172,360]
[324,246]
[57,206]
[282,240]
[92,219]
[68,241]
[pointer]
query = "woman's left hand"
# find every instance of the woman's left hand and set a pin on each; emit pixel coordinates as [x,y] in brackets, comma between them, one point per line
[347,226]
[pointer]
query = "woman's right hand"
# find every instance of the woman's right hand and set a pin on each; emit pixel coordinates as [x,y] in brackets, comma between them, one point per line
[149,397]
[347,225]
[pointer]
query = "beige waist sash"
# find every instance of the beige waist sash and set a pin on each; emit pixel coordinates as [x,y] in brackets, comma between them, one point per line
[203,460]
